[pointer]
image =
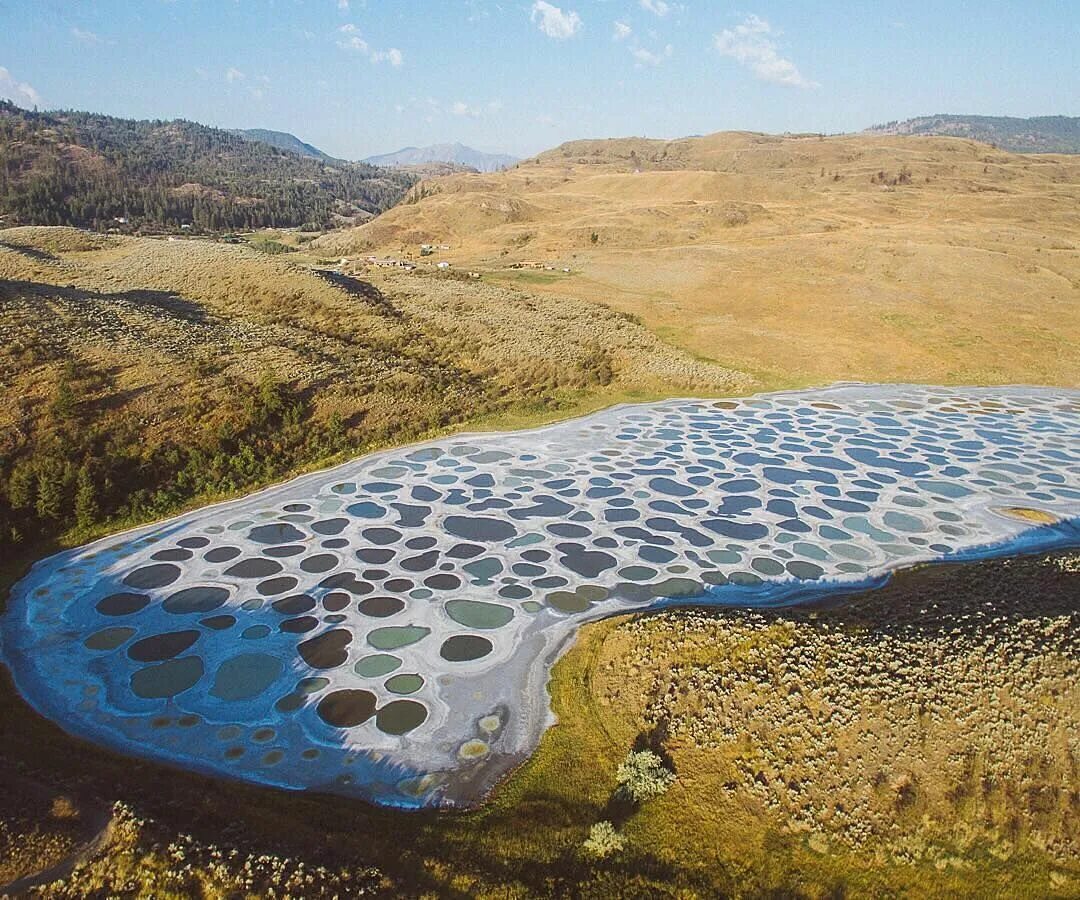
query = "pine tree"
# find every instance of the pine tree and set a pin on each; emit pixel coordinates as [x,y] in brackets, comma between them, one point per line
[50,491]
[65,403]
[87,508]
[22,485]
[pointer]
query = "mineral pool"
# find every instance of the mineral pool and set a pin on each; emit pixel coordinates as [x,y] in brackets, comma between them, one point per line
[385,629]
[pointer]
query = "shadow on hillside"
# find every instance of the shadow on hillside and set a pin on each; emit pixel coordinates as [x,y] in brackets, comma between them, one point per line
[32,252]
[955,598]
[155,303]
[354,287]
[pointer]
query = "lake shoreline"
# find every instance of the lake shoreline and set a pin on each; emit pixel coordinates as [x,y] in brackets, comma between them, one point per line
[521,716]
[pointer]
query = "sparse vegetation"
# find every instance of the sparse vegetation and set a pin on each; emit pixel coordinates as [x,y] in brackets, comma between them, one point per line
[143,859]
[735,248]
[903,176]
[926,723]
[145,374]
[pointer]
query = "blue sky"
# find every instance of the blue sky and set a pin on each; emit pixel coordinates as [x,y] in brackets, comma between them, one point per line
[358,77]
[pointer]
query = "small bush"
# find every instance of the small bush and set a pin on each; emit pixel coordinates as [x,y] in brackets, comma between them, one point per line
[269,245]
[643,776]
[603,841]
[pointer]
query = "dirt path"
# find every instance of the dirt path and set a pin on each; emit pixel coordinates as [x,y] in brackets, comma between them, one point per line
[98,821]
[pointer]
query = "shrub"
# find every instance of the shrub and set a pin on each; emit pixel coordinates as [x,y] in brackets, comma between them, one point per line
[603,841]
[269,245]
[643,776]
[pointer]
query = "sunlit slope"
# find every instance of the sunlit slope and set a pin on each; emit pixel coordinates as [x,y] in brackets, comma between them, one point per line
[165,325]
[137,374]
[806,259]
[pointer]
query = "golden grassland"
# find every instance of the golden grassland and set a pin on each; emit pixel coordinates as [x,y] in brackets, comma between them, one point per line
[993,817]
[169,321]
[800,259]
[143,376]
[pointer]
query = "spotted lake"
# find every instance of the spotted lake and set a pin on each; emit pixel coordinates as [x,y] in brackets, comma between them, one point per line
[385,629]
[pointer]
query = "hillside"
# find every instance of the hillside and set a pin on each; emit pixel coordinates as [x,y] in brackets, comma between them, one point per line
[140,373]
[802,259]
[1039,134]
[76,168]
[283,141]
[457,154]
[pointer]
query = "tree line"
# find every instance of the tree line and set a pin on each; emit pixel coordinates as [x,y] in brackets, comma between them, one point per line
[89,170]
[72,470]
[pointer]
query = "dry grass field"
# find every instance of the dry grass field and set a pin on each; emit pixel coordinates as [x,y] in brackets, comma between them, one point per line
[167,322]
[938,730]
[800,259]
[140,375]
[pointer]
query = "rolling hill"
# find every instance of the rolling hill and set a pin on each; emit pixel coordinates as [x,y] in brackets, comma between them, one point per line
[1039,134]
[147,362]
[85,169]
[457,154]
[801,259]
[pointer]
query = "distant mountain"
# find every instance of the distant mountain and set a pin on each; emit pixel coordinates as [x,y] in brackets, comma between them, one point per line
[1040,134]
[77,168]
[283,141]
[457,154]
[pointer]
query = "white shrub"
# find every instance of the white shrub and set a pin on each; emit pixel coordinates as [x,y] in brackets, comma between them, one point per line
[603,840]
[643,776]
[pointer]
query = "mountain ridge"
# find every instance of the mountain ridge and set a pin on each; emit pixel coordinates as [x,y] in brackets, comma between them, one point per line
[283,140]
[453,153]
[1035,134]
[67,167]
